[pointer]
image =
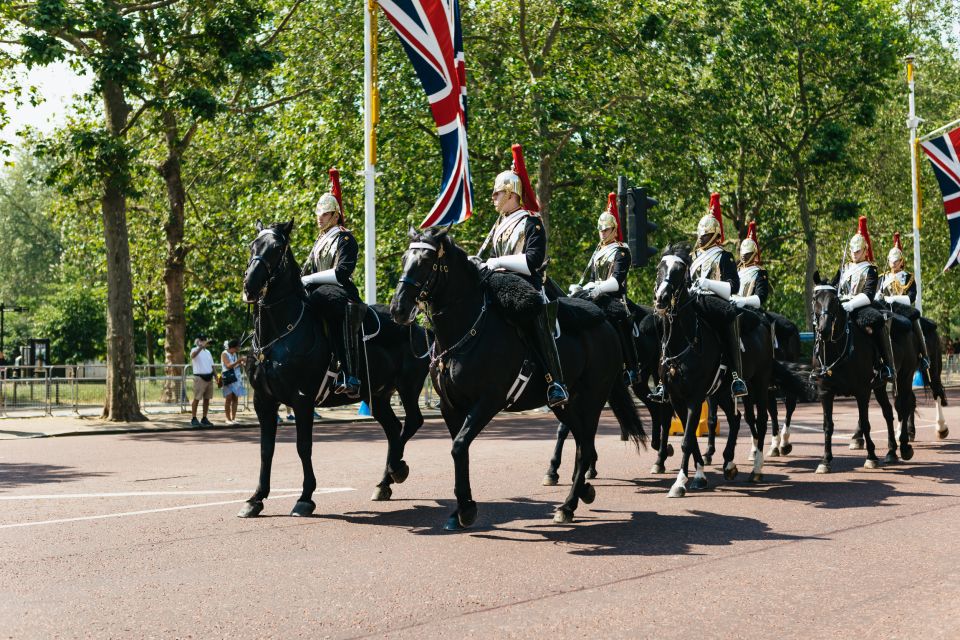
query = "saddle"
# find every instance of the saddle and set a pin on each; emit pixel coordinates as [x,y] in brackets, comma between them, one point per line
[520,303]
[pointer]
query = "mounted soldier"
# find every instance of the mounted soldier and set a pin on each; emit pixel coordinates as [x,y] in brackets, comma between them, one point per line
[332,262]
[857,287]
[605,282]
[898,292]
[754,284]
[518,245]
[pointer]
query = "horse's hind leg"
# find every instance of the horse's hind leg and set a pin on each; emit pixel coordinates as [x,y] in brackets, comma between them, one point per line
[763,397]
[750,416]
[584,433]
[774,425]
[303,410]
[266,409]
[790,402]
[863,402]
[880,393]
[552,476]
[396,469]
[908,404]
[733,423]
[712,422]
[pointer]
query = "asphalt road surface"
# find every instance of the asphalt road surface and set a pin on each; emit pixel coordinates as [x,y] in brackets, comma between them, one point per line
[135,536]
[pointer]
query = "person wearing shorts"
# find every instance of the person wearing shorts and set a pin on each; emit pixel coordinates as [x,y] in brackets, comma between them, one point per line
[230,361]
[202,380]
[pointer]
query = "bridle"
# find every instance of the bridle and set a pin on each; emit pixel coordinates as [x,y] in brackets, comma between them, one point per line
[819,347]
[425,289]
[671,313]
[258,260]
[272,274]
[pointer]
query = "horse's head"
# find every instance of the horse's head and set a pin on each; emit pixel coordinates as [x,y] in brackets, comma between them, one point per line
[673,277]
[828,314]
[268,259]
[422,266]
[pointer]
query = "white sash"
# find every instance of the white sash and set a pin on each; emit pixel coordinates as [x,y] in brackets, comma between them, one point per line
[853,273]
[709,254]
[323,241]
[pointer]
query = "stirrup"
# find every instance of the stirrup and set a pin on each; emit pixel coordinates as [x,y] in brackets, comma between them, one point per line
[557,395]
[348,385]
[738,387]
[630,377]
[924,363]
[886,372]
[658,395]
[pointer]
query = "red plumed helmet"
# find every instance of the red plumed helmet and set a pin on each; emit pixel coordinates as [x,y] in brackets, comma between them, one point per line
[862,231]
[336,192]
[715,210]
[752,235]
[896,241]
[528,198]
[612,210]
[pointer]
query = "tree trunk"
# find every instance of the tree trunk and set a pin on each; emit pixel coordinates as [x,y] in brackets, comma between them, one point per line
[175,321]
[809,236]
[121,403]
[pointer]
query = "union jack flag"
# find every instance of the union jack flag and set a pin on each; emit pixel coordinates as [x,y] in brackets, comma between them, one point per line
[431,35]
[943,154]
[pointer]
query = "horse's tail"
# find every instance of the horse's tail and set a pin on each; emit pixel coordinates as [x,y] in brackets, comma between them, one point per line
[789,377]
[627,414]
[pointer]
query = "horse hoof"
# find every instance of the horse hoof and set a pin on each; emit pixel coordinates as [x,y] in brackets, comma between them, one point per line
[381,494]
[550,479]
[699,483]
[870,464]
[890,458]
[942,435]
[589,494]
[400,473]
[707,460]
[670,449]
[303,508]
[467,515]
[658,468]
[452,524]
[786,449]
[730,472]
[756,477]
[906,451]
[677,491]
[251,509]
[752,456]
[856,445]
[591,474]
[562,516]
[823,468]
[774,452]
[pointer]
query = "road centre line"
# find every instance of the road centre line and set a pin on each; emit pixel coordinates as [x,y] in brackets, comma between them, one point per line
[137,494]
[137,513]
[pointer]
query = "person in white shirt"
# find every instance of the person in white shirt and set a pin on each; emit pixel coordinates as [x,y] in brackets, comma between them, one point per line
[202,380]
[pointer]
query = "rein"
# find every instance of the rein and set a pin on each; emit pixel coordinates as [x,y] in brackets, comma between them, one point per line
[261,305]
[820,343]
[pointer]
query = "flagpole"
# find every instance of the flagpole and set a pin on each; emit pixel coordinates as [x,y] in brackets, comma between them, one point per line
[370,107]
[912,122]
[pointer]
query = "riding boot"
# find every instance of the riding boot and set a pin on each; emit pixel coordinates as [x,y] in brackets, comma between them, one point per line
[631,373]
[924,352]
[349,382]
[882,332]
[544,342]
[738,387]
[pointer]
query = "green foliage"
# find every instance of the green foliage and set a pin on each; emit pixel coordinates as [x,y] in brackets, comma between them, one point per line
[74,319]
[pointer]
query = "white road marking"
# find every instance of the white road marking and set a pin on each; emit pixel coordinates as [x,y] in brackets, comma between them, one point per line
[136,494]
[147,511]
[873,429]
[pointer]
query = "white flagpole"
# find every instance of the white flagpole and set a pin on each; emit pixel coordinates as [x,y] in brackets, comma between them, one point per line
[369,153]
[912,122]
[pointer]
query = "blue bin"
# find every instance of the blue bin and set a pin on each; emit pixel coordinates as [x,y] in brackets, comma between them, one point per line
[364,409]
[918,380]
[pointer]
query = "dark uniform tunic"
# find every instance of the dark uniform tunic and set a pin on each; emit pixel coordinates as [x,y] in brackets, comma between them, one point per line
[754,282]
[716,264]
[611,261]
[522,233]
[861,278]
[336,249]
[900,283]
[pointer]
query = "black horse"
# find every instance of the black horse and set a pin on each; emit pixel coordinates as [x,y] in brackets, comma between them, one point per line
[691,365]
[479,361]
[845,357]
[291,364]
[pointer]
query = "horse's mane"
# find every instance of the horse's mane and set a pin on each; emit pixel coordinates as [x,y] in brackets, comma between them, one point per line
[293,271]
[680,249]
[439,235]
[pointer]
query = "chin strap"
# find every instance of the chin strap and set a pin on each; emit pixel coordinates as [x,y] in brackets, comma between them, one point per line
[328,276]
[515,263]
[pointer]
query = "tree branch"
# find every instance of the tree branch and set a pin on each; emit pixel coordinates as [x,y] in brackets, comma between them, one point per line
[548,42]
[147,6]
[272,103]
[282,25]
[133,119]
[524,45]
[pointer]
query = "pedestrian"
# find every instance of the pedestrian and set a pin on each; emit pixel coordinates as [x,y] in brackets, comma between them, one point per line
[202,380]
[232,384]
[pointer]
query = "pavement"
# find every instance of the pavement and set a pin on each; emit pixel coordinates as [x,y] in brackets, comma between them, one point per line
[134,535]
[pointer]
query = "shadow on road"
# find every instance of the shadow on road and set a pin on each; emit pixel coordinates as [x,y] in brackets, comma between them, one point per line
[24,474]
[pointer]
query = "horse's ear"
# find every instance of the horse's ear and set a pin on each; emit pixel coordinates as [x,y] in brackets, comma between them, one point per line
[441,232]
[287,228]
[412,233]
[259,226]
[836,278]
[816,278]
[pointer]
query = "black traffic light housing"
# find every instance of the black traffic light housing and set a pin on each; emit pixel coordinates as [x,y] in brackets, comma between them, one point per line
[635,205]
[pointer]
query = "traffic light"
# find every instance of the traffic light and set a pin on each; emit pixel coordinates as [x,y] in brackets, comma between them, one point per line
[635,205]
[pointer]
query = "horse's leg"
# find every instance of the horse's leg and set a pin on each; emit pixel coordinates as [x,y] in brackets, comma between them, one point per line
[856,440]
[551,477]
[733,424]
[908,406]
[395,470]
[763,393]
[774,425]
[690,418]
[662,417]
[880,393]
[826,404]
[863,406]
[303,411]
[266,409]
[942,430]
[580,489]
[790,401]
[751,418]
[712,422]
[476,419]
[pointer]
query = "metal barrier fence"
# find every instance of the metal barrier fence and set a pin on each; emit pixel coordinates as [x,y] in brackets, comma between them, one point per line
[76,389]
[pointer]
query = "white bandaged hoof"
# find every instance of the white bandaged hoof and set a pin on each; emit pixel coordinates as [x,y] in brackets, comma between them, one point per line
[679,488]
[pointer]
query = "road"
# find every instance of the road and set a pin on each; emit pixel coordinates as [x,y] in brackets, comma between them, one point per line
[135,535]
